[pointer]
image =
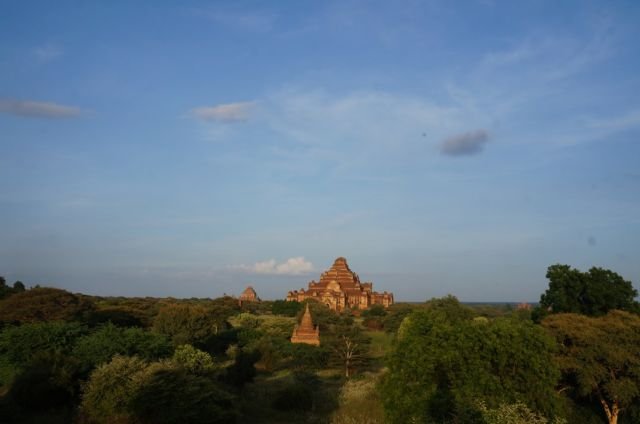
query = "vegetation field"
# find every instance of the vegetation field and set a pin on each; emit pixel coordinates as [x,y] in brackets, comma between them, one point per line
[72,358]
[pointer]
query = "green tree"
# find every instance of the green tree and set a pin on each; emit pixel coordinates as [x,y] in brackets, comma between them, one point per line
[190,324]
[591,293]
[106,342]
[20,344]
[600,357]
[44,304]
[193,360]
[174,396]
[283,307]
[128,389]
[443,362]
[396,313]
[111,388]
[304,357]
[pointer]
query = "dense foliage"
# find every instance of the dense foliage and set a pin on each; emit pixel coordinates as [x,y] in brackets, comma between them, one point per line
[44,304]
[445,362]
[600,357]
[72,358]
[593,293]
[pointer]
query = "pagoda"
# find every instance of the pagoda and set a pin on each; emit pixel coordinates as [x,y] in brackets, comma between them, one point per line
[305,332]
[340,288]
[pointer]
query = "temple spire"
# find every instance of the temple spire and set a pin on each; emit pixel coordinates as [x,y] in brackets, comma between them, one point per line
[305,332]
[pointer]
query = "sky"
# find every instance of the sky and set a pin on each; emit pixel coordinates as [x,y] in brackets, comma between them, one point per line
[190,149]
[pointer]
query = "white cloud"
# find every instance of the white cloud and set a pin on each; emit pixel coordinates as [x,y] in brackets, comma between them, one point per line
[33,109]
[240,20]
[292,266]
[229,112]
[48,52]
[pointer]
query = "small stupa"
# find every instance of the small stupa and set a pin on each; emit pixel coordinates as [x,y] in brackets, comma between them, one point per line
[306,332]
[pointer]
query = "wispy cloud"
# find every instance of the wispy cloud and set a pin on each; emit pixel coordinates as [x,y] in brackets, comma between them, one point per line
[292,266]
[252,21]
[34,109]
[48,52]
[466,144]
[627,120]
[230,112]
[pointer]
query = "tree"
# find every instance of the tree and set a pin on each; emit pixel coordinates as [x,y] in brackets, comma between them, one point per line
[44,304]
[102,345]
[591,293]
[171,395]
[304,357]
[20,344]
[350,348]
[128,389]
[283,307]
[190,324]
[599,357]
[18,287]
[193,360]
[444,362]
[109,392]
[395,314]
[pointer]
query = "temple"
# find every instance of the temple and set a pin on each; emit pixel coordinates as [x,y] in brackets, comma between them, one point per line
[340,288]
[248,295]
[305,332]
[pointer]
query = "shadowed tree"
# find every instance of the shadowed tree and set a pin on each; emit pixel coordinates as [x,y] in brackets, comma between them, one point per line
[44,304]
[600,357]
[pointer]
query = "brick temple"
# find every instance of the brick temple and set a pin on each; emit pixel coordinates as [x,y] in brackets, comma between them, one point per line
[305,332]
[340,288]
[248,295]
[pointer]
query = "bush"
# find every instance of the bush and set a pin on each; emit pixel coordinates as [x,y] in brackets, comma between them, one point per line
[193,360]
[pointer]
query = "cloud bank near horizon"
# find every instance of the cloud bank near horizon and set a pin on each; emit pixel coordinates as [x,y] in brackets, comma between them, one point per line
[292,266]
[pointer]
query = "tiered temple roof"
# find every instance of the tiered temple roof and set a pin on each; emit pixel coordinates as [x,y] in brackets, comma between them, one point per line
[340,288]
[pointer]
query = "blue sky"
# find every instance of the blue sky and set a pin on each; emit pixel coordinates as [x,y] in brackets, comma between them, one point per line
[192,148]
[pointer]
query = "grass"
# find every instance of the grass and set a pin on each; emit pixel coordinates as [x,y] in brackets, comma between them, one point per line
[359,402]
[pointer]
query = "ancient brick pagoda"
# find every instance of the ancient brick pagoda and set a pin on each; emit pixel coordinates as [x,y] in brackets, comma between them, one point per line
[248,295]
[305,332]
[340,288]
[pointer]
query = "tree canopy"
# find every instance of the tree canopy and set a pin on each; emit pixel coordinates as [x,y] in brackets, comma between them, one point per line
[444,362]
[599,357]
[44,304]
[591,293]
